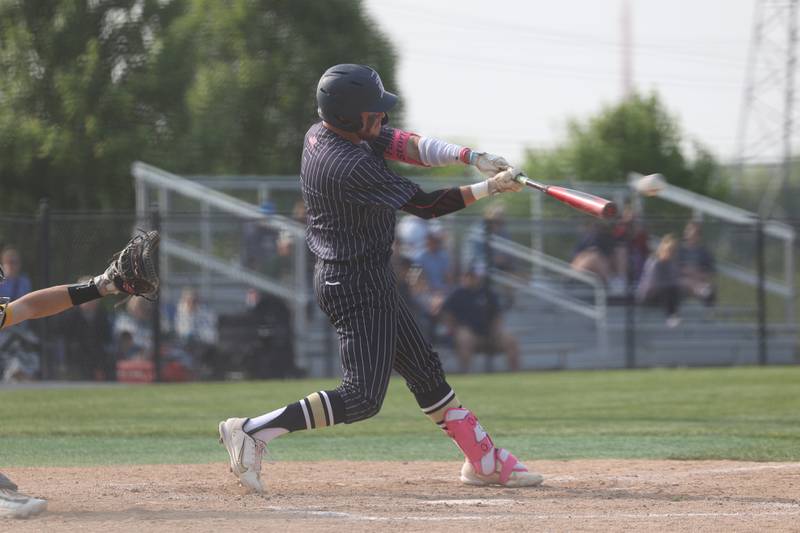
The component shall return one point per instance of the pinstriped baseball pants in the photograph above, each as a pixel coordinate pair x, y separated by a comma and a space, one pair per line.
377, 334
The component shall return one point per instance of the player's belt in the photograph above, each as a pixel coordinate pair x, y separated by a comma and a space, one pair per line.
358, 262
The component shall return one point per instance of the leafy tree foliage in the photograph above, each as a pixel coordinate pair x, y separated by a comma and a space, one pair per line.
202, 86
637, 135
68, 126
233, 83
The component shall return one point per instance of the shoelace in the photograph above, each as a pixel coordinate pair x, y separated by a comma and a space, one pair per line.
260, 447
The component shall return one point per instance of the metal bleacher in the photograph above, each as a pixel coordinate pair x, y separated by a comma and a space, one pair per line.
562, 318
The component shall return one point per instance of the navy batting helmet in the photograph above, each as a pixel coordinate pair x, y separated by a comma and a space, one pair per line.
345, 91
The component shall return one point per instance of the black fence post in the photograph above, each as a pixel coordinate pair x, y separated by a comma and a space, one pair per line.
761, 295
155, 223
46, 361
491, 308
630, 303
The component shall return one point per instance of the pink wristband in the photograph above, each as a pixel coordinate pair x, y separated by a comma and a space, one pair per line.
464, 156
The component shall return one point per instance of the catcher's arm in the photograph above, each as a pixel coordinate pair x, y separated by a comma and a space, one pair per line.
132, 271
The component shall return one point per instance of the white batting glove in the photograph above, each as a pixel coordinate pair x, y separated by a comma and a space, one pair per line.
504, 182
488, 164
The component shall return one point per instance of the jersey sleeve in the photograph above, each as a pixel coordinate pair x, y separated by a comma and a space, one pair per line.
371, 182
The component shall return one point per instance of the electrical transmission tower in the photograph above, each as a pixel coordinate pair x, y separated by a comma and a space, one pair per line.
767, 126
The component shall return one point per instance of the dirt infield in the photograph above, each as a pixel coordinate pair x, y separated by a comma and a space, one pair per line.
361, 496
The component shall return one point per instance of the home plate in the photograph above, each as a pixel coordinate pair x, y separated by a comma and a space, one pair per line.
471, 502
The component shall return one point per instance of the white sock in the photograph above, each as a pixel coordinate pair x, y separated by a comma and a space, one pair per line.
267, 434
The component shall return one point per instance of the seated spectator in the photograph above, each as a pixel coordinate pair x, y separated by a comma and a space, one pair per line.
299, 213
136, 321
660, 282
194, 322
86, 333
16, 283
196, 331
259, 240
280, 265
476, 250
411, 232
631, 248
473, 316
133, 336
594, 252
435, 261
260, 340
696, 265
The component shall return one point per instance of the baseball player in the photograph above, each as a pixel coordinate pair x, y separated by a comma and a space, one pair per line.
351, 197
131, 271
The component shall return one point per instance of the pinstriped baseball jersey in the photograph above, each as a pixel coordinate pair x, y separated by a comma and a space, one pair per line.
351, 196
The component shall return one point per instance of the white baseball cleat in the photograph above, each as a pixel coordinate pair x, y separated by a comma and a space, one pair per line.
17, 505
509, 472
245, 453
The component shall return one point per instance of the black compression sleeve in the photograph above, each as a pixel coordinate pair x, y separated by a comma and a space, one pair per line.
435, 204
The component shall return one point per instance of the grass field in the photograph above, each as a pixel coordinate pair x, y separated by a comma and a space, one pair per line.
733, 413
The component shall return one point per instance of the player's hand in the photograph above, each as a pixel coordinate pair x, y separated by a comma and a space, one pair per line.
504, 182
488, 164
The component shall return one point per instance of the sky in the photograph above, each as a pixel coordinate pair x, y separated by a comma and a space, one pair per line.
501, 75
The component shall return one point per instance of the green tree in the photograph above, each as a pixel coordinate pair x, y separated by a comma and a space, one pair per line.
233, 83
636, 135
68, 125
200, 86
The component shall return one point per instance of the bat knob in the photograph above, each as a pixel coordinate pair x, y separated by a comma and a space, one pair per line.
610, 210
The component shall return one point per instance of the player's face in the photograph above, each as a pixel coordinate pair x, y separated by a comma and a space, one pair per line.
371, 125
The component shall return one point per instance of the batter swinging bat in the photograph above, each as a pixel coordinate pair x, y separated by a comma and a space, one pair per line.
588, 203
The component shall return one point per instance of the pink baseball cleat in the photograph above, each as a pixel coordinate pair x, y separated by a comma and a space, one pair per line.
485, 464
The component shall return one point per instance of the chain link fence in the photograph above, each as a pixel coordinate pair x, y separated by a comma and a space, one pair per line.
221, 316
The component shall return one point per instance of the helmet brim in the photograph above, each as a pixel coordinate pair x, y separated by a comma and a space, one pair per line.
387, 102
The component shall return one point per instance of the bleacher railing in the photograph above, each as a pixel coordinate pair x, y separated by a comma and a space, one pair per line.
539, 288
162, 186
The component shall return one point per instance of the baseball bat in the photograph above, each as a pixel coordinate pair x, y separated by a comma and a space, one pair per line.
582, 201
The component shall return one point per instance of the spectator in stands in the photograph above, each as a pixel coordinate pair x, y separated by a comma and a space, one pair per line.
594, 252
660, 282
273, 320
473, 317
195, 323
86, 333
259, 240
136, 320
299, 214
127, 348
631, 248
403, 269
16, 284
435, 260
196, 331
281, 264
133, 336
410, 236
476, 250
696, 265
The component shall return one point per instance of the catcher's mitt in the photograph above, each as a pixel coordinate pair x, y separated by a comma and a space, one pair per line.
133, 269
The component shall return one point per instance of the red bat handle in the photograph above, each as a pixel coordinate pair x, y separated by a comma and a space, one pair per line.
588, 203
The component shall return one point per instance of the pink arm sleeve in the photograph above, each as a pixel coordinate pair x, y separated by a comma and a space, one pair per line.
397, 148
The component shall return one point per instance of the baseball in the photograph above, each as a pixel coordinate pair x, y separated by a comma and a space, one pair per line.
650, 185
